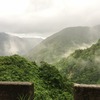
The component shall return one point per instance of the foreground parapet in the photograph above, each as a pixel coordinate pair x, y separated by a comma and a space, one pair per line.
86, 92
16, 91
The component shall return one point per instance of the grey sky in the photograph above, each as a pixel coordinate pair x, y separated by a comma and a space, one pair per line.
43, 17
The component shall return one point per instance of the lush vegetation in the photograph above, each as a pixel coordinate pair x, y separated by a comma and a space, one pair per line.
83, 66
49, 84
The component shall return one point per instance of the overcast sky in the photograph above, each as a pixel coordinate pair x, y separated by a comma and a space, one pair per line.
43, 17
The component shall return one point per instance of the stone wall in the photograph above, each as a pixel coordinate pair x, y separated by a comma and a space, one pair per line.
16, 90
86, 92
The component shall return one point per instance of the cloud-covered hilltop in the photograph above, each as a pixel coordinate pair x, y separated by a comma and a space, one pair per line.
64, 42
10, 44
82, 66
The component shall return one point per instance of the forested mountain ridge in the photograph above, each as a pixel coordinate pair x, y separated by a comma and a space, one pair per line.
10, 44
62, 43
82, 66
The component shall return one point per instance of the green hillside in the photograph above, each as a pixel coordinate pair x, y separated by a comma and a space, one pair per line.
48, 83
62, 43
83, 66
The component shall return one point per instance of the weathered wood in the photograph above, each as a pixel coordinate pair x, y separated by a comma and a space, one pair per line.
86, 92
16, 90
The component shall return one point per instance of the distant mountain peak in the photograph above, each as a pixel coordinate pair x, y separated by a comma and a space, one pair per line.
10, 44
60, 43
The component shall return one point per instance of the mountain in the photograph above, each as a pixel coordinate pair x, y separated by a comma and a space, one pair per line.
10, 44
63, 43
82, 66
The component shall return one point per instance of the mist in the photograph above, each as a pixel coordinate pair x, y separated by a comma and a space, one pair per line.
45, 17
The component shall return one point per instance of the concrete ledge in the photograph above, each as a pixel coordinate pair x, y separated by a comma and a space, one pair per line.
16, 90
86, 92
15, 83
86, 86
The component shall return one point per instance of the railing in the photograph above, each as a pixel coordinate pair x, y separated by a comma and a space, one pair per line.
86, 92
16, 91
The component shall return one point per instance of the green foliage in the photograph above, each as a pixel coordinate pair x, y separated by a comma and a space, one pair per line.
50, 75
24, 97
58, 86
48, 82
15, 68
83, 66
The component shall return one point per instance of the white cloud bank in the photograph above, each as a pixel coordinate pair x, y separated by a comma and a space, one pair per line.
47, 16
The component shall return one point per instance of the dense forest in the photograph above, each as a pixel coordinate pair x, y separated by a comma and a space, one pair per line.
48, 82
82, 66
54, 82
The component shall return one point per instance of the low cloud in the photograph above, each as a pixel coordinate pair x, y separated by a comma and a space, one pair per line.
47, 16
